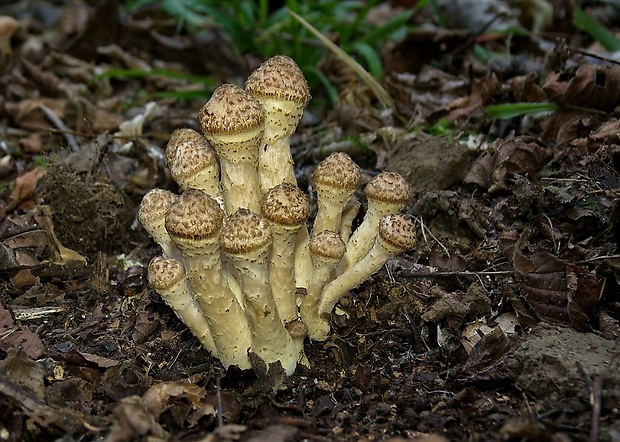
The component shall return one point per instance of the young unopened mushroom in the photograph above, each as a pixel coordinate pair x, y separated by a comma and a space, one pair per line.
387, 193
233, 122
167, 277
286, 208
335, 180
282, 89
396, 235
193, 162
194, 224
152, 215
245, 240
326, 250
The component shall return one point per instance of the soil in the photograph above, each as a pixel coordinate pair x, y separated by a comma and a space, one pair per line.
503, 323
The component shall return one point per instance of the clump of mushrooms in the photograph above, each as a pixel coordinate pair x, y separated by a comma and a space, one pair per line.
238, 264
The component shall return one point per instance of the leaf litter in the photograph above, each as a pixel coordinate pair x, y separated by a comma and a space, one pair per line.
502, 325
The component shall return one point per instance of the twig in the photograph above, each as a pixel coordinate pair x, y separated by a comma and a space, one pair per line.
596, 396
60, 125
411, 274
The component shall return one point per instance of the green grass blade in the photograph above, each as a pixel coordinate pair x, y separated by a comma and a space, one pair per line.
371, 57
364, 75
596, 30
511, 110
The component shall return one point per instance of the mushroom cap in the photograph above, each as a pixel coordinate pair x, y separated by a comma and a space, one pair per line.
397, 232
285, 204
245, 232
230, 111
388, 187
279, 78
164, 273
327, 245
337, 171
154, 206
195, 216
188, 153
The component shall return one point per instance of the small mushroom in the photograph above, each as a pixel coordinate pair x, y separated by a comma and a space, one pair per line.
335, 180
387, 193
326, 250
152, 215
349, 213
282, 89
396, 235
233, 122
245, 240
167, 277
194, 224
193, 163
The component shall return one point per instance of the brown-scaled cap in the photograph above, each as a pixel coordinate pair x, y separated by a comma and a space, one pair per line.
245, 232
192, 161
230, 111
286, 204
397, 233
327, 245
388, 187
338, 170
152, 213
279, 78
195, 216
164, 273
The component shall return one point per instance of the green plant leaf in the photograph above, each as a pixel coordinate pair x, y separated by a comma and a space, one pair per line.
595, 29
511, 110
372, 58
388, 28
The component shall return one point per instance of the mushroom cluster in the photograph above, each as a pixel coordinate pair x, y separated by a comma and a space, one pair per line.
239, 266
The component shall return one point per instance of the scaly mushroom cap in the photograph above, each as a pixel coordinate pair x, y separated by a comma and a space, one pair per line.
286, 205
282, 88
152, 215
230, 111
389, 188
337, 171
165, 273
244, 233
327, 246
193, 163
194, 220
397, 233
335, 180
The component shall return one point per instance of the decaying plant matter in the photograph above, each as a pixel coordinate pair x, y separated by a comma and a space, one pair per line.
236, 248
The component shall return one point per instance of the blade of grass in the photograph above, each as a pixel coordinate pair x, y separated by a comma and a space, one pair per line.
596, 30
364, 75
511, 110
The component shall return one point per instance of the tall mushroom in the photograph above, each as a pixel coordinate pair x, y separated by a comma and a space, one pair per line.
152, 215
194, 224
233, 122
335, 180
167, 277
387, 193
283, 90
246, 241
396, 235
193, 163
326, 250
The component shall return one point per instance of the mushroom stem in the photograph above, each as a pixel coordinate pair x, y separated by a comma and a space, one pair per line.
396, 235
335, 180
246, 241
326, 250
167, 277
194, 224
349, 213
387, 193
233, 122
152, 215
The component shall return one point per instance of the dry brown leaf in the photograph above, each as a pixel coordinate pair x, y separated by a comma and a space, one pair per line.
592, 85
481, 93
516, 155
25, 186
28, 115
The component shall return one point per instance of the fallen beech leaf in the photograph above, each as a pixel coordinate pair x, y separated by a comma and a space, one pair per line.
157, 398
25, 186
481, 93
516, 155
13, 336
